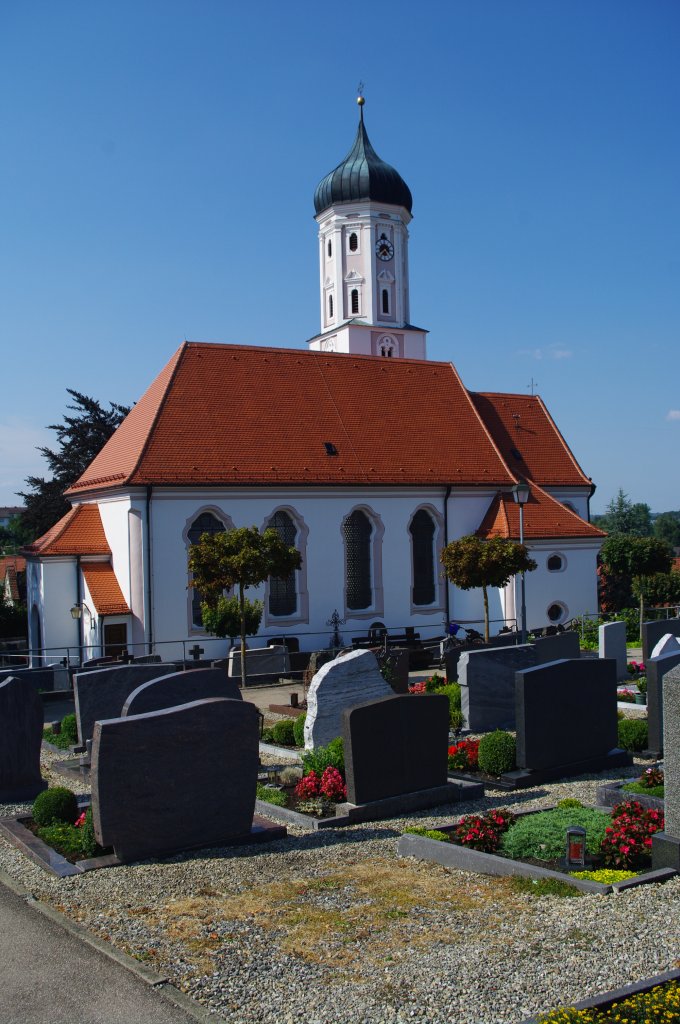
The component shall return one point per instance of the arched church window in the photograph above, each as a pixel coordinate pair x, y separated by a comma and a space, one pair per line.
330, 307
385, 301
357, 531
355, 300
422, 530
386, 347
283, 592
206, 522
353, 242
555, 563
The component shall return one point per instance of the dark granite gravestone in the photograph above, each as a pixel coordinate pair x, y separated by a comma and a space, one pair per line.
180, 688
39, 678
101, 692
21, 726
666, 844
395, 745
177, 779
399, 662
557, 647
657, 669
487, 685
565, 727
652, 633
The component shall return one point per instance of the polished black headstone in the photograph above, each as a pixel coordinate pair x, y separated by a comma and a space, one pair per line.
395, 745
173, 780
180, 688
566, 712
557, 646
21, 726
652, 633
101, 692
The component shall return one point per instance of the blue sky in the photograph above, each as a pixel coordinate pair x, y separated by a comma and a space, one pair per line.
159, 162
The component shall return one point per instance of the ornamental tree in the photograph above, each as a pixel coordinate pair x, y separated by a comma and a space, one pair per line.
472, 562
240, 558
224, 618
638, 558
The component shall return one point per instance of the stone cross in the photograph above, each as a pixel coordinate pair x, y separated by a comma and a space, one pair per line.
196, 652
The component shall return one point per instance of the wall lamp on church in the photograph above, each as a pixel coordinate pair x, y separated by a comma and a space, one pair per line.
77, 613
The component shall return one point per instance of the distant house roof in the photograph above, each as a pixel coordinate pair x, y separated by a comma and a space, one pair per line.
80, 532
10, 567
231, 414
7, 511
104, 588
544, 517
529, 440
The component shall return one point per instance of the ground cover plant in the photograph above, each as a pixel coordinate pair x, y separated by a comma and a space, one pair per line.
661, 1005
57, 820
66, 736
541, 836
651, 782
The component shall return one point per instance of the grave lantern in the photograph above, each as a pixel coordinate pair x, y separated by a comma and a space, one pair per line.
272, 776
576, 846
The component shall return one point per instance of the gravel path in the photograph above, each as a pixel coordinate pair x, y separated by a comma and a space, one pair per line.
332, 928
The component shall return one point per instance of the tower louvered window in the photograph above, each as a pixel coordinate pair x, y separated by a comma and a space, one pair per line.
330, 307
357, 531
422, 544
205, 523
283, 593
353, 242
355, 300
385, 301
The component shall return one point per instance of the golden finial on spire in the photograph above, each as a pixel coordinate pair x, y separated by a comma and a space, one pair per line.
360, 97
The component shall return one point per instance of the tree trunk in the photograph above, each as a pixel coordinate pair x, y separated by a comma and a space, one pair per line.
242, 609
486, 615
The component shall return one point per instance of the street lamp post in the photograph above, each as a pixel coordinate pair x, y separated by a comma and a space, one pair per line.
520, 493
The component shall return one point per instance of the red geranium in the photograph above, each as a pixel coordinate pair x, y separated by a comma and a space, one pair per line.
464, 755
628, 840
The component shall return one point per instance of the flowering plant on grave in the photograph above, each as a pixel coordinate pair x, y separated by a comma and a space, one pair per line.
625, 696
80, 820
464, 755
483, 831
332, 785
652, 777
628, 840
642, 684
418, 687
635, 669
308, 786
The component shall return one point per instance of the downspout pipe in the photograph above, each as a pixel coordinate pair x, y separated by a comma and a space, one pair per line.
149, 577
79, 620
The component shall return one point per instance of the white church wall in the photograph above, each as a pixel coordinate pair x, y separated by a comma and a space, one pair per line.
114, 514
574, 587
59, 593
575, 499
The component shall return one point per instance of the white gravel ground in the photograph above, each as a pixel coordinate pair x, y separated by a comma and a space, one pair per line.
332, 928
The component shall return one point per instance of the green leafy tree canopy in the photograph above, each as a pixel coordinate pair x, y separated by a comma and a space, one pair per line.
638, 559
472, 562
239, 558
667, 527
623, 516
79, 438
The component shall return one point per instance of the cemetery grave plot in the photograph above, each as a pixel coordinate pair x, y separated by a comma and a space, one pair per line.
649, 790
655, 999
616, 845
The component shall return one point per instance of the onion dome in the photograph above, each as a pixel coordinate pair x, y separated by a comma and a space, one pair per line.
362, 175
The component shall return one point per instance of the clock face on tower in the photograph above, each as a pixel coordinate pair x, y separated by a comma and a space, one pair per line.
384, 249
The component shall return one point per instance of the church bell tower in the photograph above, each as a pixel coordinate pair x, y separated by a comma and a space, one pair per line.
363, 208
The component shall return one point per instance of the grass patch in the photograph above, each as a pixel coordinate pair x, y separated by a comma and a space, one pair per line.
271, 796
638, 787
542, 887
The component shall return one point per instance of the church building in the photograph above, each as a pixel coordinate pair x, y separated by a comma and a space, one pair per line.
360, 451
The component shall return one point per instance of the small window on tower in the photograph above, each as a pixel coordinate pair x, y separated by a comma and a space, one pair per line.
385, 301
330, 307
355, 300
330, 248
353, 242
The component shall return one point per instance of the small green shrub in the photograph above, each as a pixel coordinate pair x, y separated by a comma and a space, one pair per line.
497, 752
88, 843
56, 804
429, 833
633, 734
452, 691
284, 732
299, 730
570, 801
267, 735
542, 836
434, 683
69, 728
271, 795
57, 739
456, 720
320, 758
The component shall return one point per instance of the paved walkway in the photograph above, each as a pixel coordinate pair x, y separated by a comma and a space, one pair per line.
49, 974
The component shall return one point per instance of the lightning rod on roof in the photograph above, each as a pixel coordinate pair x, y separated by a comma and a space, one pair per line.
532, 384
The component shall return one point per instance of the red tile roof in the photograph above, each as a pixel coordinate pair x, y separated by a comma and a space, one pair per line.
230, 414
522, 426
104, 588
544, 517
80, 532
10, 565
